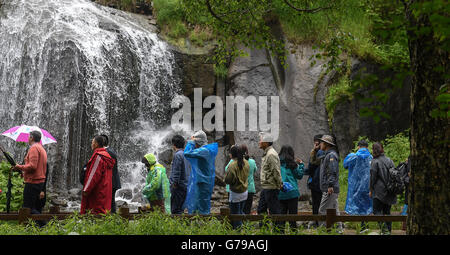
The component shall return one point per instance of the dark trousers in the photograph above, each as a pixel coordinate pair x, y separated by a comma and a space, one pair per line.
316, 197
380, 208
290, 206
248, 203
177, 197
32, 200
31, 197
268, 200
237, 208
113, 201
157, 205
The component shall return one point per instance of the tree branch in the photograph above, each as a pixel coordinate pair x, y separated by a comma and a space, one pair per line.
219, 16
208, 4
308, 10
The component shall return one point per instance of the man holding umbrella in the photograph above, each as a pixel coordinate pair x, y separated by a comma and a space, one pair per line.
34, 173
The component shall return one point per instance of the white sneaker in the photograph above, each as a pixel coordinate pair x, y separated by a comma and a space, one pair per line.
364, 231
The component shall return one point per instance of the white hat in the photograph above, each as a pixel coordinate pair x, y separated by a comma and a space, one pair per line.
200, 138
266, 137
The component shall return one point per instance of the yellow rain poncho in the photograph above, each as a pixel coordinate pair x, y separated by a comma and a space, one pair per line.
157, 186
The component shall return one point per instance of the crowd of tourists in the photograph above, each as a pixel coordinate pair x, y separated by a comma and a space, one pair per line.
191, 181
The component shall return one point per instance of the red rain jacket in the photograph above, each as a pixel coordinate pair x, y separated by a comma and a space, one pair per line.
98, 183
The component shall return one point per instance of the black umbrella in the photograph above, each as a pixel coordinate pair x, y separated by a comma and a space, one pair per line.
8, 193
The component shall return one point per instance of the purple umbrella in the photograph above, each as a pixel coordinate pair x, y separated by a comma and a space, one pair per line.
21, 134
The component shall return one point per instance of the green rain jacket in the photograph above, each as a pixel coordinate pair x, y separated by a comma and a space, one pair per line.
157, 186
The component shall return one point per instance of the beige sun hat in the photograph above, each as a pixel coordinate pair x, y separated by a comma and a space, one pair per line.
327, 139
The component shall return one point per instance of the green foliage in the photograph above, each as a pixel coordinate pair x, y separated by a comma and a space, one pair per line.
221, 71
340, 90
396, 147
153, 223
432, 24
443, 99
168, 11
234, 23
178, 29
172, 17
16, 191
200, 35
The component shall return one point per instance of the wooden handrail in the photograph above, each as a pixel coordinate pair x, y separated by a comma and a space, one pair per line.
330, 218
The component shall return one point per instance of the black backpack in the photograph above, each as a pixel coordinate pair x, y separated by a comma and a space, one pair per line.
396, 181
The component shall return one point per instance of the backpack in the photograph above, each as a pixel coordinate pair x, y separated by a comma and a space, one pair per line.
396, 179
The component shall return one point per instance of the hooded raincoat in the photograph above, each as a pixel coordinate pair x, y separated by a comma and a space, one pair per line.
201, 181
157, 186
358, 165
98, 183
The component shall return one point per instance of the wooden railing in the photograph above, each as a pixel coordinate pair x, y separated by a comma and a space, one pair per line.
24, 214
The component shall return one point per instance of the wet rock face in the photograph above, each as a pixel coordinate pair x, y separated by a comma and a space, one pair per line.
125, 194
348, 125
301, 109
197, 72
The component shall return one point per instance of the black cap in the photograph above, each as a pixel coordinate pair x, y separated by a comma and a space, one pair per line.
317, 137
363, 143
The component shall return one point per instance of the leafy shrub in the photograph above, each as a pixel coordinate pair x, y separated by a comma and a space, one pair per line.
177, 29
200, 35
153, 223
168, 11
16, 191
337, 93
396, 147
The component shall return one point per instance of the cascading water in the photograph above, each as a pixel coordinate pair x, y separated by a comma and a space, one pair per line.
78, 69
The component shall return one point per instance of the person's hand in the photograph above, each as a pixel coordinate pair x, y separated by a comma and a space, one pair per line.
316, 146
299, 161
174, 186
15, 168
370, 194
330, 190
42, 195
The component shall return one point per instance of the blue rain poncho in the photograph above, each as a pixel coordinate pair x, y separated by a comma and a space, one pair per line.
201, 181
358, 165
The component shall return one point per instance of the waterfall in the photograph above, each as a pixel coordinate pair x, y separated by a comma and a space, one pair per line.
78, 69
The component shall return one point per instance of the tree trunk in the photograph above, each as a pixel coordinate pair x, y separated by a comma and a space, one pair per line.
429, 203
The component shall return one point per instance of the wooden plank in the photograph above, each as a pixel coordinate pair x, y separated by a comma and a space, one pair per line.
330, 218
24, 214
9, 217
357, 218
279, 217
